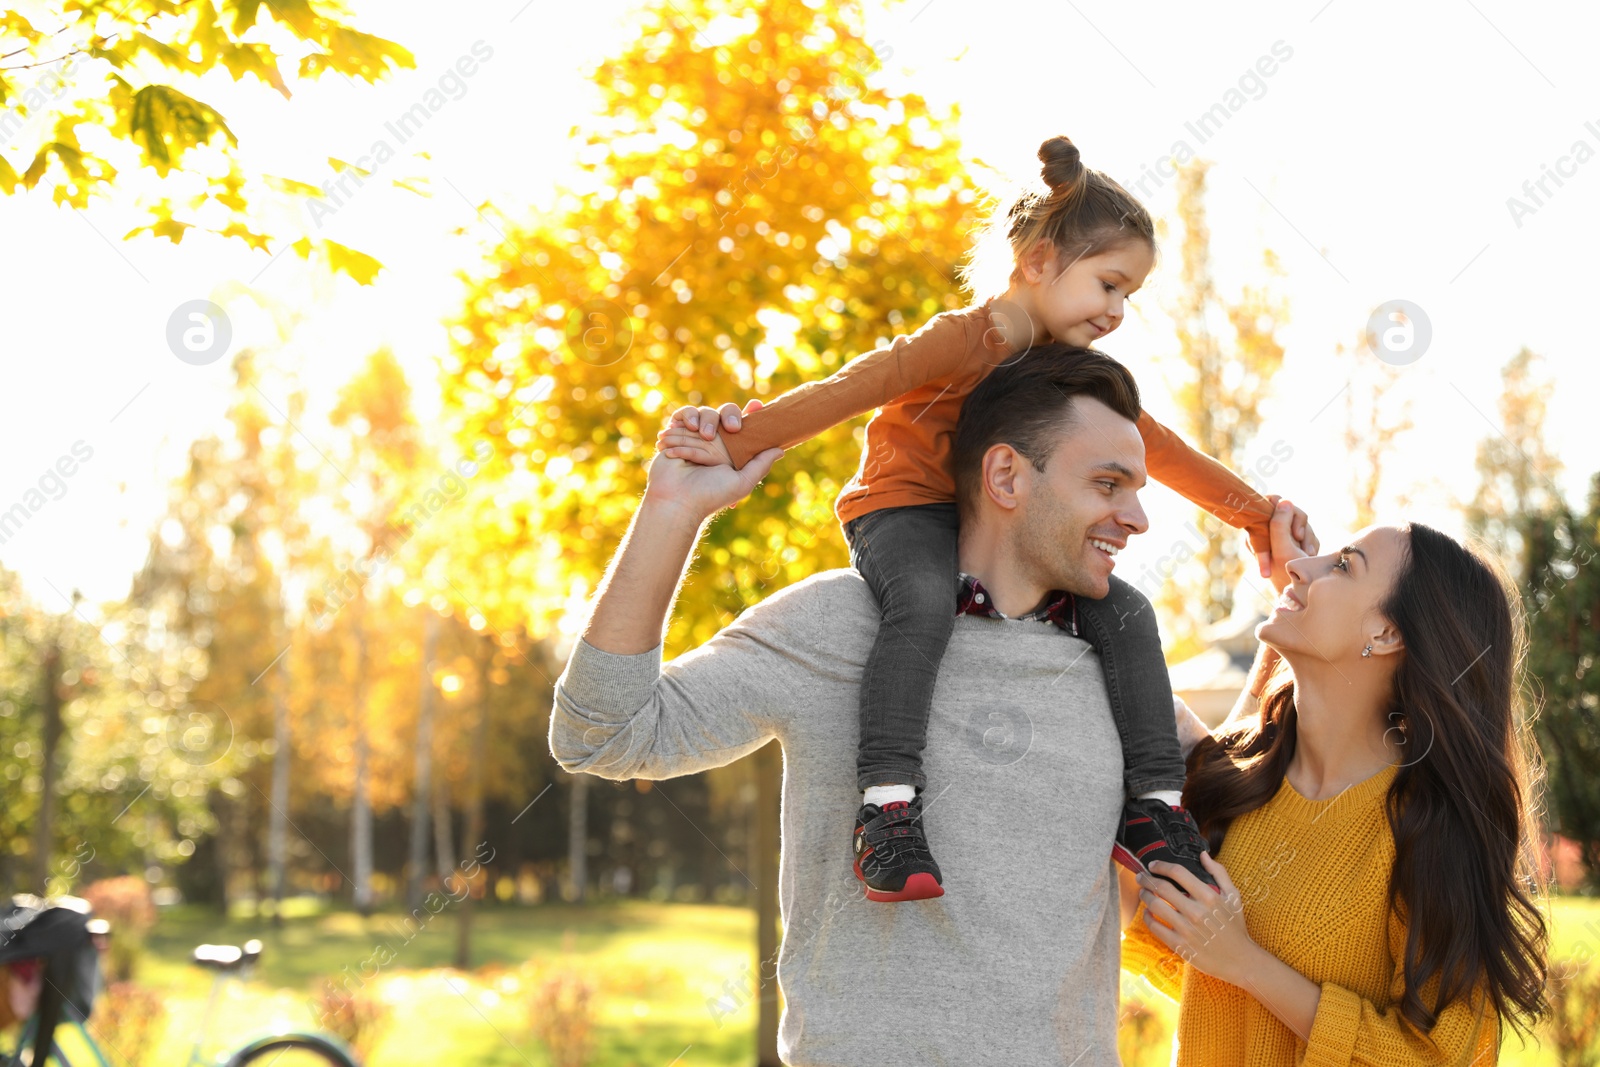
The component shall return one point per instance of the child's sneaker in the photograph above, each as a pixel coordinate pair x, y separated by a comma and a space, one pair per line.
1153, 830
892, 855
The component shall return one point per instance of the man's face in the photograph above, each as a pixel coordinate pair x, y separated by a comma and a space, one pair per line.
1086, 497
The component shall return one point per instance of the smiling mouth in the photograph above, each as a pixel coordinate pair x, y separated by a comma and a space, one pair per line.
1105, 548
1287, 603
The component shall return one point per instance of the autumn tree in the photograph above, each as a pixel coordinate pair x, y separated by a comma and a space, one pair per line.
1228, 351
1516, 469
1377, 415
1561, 593
750, 214
122, 70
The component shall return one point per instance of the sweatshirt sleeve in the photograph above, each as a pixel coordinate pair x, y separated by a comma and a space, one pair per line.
864, 384
1349, 1030
1203, 481
1145, 956
630, 716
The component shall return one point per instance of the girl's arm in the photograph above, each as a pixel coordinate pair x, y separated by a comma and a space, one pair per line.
1203, 481
867, 382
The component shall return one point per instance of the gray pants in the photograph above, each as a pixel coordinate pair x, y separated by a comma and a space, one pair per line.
908, 557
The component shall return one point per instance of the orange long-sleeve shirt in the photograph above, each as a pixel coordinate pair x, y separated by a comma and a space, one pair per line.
919, 381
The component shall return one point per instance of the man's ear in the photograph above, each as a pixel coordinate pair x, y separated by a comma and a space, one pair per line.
1001, 472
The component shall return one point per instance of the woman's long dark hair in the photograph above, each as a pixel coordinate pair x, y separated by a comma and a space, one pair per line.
1463, 805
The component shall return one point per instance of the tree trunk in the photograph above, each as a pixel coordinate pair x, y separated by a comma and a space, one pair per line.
473, 837
50, 730
417, 858
360, 805
444, 852
278, 818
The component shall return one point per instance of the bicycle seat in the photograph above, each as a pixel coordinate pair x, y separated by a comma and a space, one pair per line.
228, 957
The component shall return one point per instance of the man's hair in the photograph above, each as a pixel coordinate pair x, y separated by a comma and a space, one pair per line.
1027, 403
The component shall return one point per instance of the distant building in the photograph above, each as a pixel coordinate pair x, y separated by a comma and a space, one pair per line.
1211, 681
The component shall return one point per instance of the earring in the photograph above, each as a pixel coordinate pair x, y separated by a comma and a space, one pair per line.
1367, 652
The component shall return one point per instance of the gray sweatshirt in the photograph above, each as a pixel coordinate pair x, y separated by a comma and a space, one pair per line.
1017, 964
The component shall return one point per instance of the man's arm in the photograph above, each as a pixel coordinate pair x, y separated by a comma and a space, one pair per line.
617, 712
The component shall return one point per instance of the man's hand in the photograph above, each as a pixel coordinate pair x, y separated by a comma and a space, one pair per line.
696, 492
691, 433
1301, 534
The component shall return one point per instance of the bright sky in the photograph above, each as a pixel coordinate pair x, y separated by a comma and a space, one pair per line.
1377, 158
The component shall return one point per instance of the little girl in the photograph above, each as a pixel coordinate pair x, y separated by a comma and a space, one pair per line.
1079, 250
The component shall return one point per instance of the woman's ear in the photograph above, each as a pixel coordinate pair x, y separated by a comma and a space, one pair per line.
1386, 640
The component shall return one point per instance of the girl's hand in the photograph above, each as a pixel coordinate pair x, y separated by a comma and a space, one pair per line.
692, 433
1204, 927
683, 443
703, 420
1300, 533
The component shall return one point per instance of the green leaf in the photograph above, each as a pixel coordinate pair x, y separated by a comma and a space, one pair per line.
414, 185
356, 54
358, 265
170, 228
257, 59
255, 240
290, 186
166, 124
244, 14
340, 259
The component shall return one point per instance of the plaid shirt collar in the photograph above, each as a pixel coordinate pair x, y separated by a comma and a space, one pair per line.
1060, 607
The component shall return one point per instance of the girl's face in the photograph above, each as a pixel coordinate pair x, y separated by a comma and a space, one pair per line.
1081, 301
1331, 608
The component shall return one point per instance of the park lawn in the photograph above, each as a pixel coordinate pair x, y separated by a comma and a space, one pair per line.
655, 966
658, 969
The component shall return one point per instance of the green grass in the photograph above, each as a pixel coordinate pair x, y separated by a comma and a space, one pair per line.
656, 967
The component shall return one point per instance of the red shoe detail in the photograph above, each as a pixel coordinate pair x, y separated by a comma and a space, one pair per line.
920, 886
1127, 859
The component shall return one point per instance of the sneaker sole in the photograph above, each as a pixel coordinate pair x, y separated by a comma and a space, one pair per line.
919, 886
1133, 863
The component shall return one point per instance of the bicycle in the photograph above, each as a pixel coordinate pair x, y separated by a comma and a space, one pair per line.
65, 943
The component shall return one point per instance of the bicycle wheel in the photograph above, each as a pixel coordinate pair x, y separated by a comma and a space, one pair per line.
294, 1050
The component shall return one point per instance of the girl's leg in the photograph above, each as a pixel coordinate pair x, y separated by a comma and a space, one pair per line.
908, 557
1122, 628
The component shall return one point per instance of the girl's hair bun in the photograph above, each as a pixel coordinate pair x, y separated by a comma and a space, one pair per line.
1063, 169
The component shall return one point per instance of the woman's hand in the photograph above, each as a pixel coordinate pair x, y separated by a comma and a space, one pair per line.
1204, 927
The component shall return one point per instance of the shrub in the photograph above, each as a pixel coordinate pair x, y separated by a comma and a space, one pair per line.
127, 1019
1574, 988
354, 1016
127, 904
562, 1014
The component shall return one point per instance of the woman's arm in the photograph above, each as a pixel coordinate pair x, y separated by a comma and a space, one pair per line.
1340, 1027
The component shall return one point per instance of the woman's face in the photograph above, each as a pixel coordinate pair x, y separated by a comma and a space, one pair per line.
1330, 610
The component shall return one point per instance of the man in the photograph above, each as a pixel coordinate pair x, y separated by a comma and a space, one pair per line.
1018, 963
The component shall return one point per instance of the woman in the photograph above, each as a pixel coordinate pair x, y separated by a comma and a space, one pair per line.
1372, 824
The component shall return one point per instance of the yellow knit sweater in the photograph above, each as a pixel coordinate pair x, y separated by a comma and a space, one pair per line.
1314, 876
